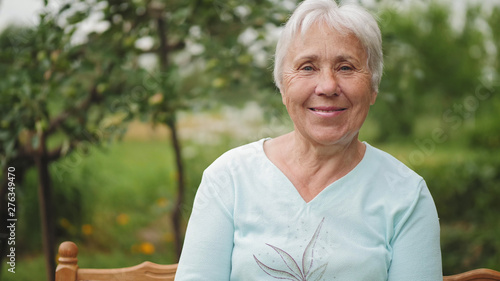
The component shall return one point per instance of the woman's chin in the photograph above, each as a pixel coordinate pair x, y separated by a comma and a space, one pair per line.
331, 139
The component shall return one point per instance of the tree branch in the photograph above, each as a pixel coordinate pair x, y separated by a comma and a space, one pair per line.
171, 47
93, 97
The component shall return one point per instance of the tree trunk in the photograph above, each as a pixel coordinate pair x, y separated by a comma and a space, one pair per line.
46, 214
177, 213
171, 123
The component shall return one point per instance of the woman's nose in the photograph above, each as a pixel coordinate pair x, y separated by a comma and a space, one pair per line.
326, 83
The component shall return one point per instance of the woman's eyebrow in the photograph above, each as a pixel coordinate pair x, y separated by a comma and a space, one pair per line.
307, 58
338, 58
346, 58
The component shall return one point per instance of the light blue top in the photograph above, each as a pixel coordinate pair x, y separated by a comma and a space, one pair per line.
378, 222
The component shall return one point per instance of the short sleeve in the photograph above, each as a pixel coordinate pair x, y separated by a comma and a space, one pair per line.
416, 252
208, 245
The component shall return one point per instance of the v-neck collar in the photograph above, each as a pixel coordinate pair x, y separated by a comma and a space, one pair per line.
323, 193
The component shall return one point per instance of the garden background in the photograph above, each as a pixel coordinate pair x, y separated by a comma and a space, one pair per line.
111, 110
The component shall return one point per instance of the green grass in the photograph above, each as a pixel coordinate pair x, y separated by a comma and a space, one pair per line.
117, 202
123, 188
28, 268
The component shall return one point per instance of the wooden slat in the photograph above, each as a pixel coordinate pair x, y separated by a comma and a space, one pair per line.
481, 274
146, 271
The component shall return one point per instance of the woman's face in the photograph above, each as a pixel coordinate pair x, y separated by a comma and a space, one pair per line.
327, 86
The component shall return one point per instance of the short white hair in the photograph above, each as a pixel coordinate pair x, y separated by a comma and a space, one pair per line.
348, 17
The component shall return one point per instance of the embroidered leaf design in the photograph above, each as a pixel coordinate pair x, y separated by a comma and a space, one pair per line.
289, 261
279, 274
295, 273
308, 257
317, 274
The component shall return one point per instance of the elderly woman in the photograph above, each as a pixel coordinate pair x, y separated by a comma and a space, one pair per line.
316, 203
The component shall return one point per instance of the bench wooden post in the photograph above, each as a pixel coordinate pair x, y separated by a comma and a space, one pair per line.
67, 262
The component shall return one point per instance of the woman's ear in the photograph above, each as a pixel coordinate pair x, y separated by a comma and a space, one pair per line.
283, 98
373, 97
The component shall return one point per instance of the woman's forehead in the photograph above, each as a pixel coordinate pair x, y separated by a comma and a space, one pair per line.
321, 39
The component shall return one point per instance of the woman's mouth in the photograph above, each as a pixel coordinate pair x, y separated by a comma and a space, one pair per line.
327, 109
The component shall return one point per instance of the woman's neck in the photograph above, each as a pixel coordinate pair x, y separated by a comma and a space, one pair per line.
332, 157
312, 167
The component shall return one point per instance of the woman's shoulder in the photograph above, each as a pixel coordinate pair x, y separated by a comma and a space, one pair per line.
393, 182
387, 161
247, 153
391, 172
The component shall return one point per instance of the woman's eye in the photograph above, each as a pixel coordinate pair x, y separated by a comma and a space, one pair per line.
345, 68
307, 68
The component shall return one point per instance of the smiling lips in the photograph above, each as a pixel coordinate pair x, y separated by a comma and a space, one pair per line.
327, 111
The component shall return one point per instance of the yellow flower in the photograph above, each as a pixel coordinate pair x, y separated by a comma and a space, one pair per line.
87, 229
147, 248
122, 219
162, 202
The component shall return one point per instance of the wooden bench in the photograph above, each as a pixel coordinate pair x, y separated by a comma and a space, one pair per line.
68, 270
481, 274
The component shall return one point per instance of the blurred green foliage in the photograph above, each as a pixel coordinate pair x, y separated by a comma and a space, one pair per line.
466, 194
435, 71
437, 111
